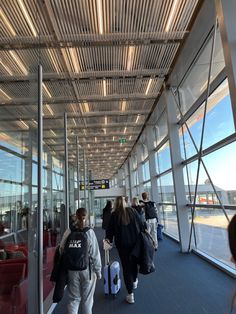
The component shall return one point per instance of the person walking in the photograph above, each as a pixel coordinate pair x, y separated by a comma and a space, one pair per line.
106, 214
151, 216
124, 227
140, 210
81, 257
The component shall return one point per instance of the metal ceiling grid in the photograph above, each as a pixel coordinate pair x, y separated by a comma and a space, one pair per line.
104, 63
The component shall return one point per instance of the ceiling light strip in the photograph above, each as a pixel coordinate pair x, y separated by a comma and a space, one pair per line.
53, 133
104, 88
28, 18
49, 109
170, 19
100, 16
6, 68
73, 119
86, 107
7, 23
123, 105
130, 57
5, 94
148, 87
24, 124
47, 91
74, 59
19, 62
53, 61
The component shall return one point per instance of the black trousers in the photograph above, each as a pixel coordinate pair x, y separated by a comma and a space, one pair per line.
130, 269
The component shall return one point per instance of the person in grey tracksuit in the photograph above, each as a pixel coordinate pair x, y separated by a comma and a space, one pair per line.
81, 283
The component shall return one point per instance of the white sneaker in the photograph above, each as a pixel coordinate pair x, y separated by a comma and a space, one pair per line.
130, 298
135, 284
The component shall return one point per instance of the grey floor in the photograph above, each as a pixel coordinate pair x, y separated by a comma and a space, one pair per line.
182, 283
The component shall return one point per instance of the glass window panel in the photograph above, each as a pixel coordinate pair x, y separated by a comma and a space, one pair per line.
196, 81
16, 141
219, 122
135, 162
166, 188
169, 220
145, 151
211, 233
12, 167
45, 177
135, 177
222, 168
161, 129
162, 157
205, 191
57, 165
34, 174
57, 181
146, 171
147, 188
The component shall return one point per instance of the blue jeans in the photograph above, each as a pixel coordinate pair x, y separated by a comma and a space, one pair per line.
80, 291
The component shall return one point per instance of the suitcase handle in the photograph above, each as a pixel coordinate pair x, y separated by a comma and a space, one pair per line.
107, 257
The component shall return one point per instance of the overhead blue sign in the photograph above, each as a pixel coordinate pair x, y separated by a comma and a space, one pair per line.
101, 184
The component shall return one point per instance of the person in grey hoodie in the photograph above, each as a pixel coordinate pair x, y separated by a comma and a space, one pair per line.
82, 283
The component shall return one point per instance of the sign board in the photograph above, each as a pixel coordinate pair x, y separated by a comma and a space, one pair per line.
97, 184
122, 140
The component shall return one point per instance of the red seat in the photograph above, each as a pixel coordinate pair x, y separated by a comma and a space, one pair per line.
19, 298
49, 258
14, 261
16, 302
11, 275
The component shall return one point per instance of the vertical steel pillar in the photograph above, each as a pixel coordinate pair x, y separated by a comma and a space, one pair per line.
84, 180
225, 11
78, 176
129, 178
178, 178
39, 250
66, 174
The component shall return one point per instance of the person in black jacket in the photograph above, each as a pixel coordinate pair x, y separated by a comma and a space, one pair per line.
151, 216
125, 226
106, 214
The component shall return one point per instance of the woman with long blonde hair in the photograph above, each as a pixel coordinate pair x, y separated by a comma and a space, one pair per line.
124, 227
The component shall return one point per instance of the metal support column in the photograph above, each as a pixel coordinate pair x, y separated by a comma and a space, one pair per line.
178, 178
39, 251
152, 163
225, 11
140, 168
78, 176
85, 200
129, 177
66, 174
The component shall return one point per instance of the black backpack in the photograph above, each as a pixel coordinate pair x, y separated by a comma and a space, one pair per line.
150, 210
75, 256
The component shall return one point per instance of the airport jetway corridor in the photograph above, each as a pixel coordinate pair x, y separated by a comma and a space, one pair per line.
182, 283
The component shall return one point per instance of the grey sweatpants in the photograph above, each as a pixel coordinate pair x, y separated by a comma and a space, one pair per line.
80, 291
152, 229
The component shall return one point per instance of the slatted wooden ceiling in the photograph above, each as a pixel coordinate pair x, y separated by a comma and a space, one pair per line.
104, 62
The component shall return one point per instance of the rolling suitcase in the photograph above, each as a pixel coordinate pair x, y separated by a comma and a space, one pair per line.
111, 274
159, 232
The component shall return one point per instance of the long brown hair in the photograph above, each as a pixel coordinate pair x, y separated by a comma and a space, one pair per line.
124, 213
